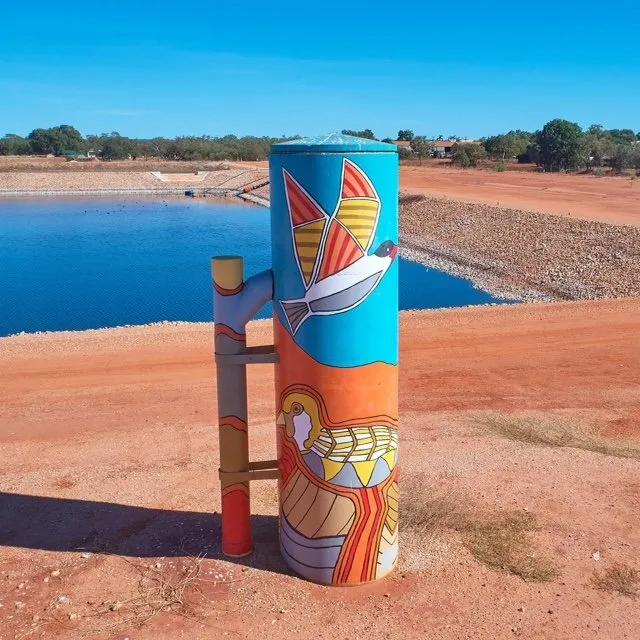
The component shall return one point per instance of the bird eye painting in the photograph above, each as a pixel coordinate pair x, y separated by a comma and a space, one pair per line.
336, 290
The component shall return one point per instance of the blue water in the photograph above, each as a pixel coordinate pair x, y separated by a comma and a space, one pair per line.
89, 263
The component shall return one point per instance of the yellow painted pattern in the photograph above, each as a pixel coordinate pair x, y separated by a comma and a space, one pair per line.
359, 216
307, 238
392, 515
356, 444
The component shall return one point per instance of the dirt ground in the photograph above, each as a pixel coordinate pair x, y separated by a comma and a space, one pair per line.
607, 199
109, 490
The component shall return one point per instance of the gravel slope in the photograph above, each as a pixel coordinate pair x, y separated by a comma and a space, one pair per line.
522, 254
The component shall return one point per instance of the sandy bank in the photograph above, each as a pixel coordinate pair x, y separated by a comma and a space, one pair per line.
110, 450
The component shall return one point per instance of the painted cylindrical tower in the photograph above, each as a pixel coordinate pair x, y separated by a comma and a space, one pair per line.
334, 226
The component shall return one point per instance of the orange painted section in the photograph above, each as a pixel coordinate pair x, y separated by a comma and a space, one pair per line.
372, 389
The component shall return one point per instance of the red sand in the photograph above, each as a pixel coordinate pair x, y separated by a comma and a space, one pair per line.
608, 199
109, 449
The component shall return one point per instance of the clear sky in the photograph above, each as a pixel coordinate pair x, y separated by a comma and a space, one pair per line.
270, 68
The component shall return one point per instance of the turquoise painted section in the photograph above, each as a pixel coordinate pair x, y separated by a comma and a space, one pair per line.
367, 332
333, 143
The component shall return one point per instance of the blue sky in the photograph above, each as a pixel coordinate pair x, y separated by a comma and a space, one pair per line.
170, 68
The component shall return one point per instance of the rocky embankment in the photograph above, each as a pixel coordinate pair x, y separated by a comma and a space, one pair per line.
521, 254
223, 181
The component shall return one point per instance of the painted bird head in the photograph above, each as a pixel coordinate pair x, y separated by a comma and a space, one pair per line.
300, 417
387, 249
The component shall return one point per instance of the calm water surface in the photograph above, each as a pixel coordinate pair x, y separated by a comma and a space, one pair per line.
82, 264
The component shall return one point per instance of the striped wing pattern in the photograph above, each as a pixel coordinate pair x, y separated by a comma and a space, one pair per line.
355, 183
307, 239
302, 207
360, 217
308, 221
340, 250
359, 205
360, 447
356, 444
350, 232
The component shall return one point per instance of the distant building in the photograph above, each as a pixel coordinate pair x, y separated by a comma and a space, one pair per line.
444, 148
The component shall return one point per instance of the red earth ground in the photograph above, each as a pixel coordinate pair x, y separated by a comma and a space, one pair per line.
109, 458
615, 200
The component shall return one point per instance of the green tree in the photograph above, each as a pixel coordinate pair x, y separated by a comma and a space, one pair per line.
421, 147
365, 133
596, 130
560, 145
466, 154
14, 145
507, 145
597, 147
56, 140
405, 135
623, 157
117, 147
623, 136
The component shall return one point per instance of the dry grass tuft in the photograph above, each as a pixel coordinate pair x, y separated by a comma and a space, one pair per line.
159, 592
502, 542
557, 433
425, 508
425, 513
619, 578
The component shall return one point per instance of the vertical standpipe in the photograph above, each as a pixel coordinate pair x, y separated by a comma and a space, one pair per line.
235, 302
228, 279
334, 226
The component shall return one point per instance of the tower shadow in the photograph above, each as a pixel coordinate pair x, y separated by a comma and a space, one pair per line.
61, 524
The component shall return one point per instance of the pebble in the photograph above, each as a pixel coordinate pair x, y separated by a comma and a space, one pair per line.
55, 573
62, 599
581, 259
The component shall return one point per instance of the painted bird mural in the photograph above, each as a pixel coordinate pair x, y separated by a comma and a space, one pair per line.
332, 251
353, 456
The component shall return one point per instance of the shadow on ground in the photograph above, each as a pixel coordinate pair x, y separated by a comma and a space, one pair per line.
58, 524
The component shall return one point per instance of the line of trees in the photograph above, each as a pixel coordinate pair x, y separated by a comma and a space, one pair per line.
560, 145
66, 140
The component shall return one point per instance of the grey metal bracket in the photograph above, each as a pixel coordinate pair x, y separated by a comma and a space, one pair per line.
263, 354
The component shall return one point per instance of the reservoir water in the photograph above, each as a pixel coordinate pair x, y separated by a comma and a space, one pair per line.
100, 262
